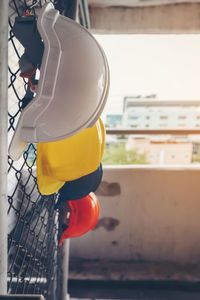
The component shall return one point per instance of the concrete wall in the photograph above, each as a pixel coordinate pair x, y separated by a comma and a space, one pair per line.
148, 214
171, 18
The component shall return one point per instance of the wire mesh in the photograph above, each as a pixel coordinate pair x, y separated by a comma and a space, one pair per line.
33, 264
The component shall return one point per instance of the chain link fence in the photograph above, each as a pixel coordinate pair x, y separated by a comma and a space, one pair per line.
33, 255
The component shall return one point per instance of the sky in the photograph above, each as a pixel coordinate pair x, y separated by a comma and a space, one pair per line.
165, 65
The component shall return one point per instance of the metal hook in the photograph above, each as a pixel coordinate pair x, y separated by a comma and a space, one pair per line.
30, 7
34, 4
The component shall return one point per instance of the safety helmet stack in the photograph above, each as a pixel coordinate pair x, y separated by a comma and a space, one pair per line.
64, 116
73, 84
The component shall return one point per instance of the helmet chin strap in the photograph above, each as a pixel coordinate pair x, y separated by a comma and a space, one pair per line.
29, 76
25, 30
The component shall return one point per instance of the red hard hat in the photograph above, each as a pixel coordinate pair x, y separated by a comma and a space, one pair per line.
83, 216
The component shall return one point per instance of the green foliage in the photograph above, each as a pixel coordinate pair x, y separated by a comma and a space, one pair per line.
196, 157
121, 137
118, 155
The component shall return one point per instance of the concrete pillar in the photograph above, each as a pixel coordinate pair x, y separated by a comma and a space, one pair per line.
3, 142
65, 269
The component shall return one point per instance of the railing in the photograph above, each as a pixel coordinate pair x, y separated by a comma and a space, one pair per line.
153, 131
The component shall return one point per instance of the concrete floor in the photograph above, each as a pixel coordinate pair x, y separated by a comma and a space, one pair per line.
88, 290
152, 296
176, 296
94, 280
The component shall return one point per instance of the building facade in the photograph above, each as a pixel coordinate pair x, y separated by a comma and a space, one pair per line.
162, 152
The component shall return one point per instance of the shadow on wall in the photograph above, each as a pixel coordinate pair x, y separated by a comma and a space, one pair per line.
108, 189
108, 224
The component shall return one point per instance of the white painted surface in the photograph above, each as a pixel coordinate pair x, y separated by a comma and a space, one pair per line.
158, 210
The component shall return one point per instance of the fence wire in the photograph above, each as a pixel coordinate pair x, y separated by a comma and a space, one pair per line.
33, 264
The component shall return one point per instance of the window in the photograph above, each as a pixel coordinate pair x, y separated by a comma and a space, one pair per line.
181, 125
163, 125
133, 117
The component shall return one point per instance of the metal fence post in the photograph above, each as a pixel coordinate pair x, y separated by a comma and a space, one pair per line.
65, 268
3, 142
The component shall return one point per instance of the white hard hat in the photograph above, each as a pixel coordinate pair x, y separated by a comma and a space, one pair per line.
73, 85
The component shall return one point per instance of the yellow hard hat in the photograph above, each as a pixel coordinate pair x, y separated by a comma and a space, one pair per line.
46, 185
72, 158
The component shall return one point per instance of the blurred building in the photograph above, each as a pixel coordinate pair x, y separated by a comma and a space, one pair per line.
162, 152
149, 113
157, 114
